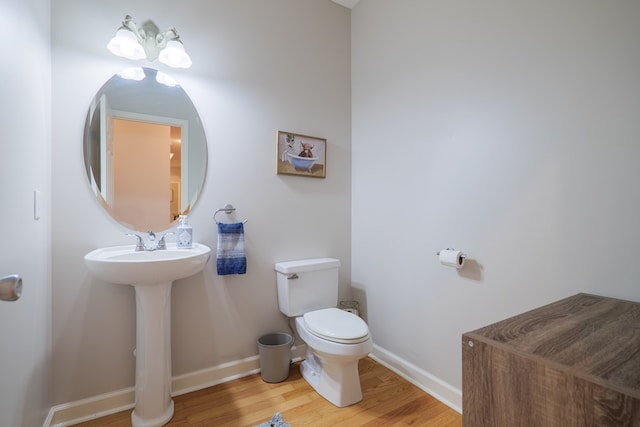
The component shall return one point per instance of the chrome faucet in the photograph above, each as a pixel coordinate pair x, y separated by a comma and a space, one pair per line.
161, 243
142, 246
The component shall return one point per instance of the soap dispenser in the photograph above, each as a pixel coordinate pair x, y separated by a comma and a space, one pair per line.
184, 233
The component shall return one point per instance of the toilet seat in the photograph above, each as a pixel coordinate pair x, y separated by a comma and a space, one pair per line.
336, 325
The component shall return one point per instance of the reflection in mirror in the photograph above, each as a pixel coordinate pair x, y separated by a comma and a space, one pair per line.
145, 151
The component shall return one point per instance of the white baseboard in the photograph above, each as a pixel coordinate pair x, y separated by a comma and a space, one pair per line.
441, 390
67, 414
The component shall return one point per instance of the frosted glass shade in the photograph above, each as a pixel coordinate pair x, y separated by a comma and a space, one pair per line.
126, 44
174, 55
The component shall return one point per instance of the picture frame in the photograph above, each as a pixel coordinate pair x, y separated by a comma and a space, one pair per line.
301, 155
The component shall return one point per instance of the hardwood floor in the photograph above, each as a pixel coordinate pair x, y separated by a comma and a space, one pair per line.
389, 400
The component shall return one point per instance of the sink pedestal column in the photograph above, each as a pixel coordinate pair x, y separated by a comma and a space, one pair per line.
154, 406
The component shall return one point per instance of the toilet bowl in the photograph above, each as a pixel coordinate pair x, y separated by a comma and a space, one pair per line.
336, 339
331, 363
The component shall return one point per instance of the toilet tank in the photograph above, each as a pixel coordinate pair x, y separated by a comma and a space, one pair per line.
306, 285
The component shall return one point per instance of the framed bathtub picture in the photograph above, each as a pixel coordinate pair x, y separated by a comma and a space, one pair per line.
301, 155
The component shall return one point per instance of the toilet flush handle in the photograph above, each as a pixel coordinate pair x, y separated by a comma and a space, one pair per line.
293, 276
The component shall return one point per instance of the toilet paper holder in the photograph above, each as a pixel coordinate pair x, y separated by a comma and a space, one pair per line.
463, 256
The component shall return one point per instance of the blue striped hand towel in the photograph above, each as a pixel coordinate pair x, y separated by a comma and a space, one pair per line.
231, 258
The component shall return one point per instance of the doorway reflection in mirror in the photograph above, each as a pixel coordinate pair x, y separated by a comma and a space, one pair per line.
145, 149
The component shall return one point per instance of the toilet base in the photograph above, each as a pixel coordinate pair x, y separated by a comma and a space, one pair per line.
334, 378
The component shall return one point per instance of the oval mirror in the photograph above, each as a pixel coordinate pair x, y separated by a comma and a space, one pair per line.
145, 151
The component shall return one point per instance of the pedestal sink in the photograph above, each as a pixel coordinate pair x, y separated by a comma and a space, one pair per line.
151, 273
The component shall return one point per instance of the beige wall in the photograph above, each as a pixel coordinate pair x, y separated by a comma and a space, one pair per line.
508, 130
258, 67
25, 120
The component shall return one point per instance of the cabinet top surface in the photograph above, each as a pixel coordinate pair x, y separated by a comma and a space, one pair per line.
589, 334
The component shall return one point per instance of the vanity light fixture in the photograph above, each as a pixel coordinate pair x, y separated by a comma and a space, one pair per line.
147, 41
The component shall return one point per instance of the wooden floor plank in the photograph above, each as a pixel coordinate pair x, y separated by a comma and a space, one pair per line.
389, 400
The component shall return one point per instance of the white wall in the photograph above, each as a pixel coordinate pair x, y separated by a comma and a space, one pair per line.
505, 129
25, 121
258, 67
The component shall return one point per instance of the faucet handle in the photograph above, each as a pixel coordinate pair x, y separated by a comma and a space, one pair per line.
161, 243
140, 242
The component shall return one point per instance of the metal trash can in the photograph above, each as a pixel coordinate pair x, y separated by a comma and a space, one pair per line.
275, 356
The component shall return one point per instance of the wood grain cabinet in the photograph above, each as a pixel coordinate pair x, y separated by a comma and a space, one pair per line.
572, 363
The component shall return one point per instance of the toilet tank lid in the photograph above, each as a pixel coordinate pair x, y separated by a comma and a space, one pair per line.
310, 264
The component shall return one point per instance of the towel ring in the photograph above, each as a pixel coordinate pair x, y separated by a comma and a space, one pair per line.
228, 209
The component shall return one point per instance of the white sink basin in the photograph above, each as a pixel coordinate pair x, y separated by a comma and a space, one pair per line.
123, 265
151, 273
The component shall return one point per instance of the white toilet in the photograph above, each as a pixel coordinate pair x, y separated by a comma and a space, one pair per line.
336, 339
